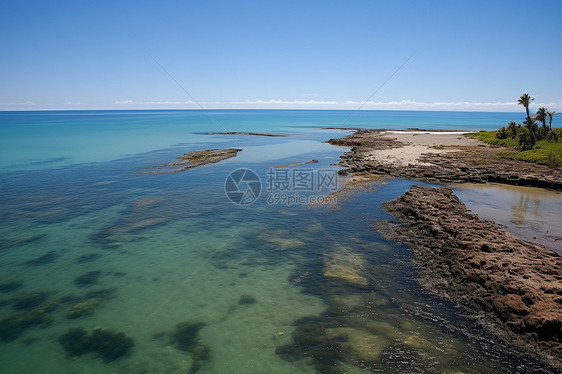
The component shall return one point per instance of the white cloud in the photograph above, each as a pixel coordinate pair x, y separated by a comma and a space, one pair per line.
497, 106
24, 103
131, 102
389, 105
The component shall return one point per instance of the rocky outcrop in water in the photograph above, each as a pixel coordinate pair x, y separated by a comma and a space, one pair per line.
195, 159
513, 286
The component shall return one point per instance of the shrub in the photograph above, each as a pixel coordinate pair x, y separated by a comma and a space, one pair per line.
525, 138
502, 133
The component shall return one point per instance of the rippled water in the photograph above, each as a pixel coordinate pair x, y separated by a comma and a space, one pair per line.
199, 284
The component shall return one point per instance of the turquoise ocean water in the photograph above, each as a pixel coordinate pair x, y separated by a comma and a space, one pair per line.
104, 268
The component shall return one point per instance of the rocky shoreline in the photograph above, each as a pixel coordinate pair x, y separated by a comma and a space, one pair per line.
512, 286
458, 163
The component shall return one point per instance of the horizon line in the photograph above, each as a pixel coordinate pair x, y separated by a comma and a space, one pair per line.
294, 109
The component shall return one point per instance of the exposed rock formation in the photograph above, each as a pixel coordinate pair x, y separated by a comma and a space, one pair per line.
514, 286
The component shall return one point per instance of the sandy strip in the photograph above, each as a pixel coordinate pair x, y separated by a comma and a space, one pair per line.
418, 144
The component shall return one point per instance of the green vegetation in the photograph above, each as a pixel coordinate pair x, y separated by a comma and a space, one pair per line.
531, 142
544, 152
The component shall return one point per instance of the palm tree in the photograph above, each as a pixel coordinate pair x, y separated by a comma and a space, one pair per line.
525, 100
550, 115
541, 115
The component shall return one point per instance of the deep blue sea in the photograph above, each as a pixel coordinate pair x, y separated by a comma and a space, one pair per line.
107, 268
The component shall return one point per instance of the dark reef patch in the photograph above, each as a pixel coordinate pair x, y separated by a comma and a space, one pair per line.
88, 279
28, 300
246, 299
47, 258
107, 344
10, 286
7, 243
88, 258
31, 310
186, 338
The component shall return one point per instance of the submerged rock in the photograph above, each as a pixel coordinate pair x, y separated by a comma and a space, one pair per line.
361, 344
83, 308
346, 266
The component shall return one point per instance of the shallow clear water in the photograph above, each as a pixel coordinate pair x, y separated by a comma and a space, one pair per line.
88, 242
531, 213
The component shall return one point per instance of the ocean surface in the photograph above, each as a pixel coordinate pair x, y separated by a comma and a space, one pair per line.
107, 268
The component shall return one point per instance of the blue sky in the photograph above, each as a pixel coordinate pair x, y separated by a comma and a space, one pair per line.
465, 55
